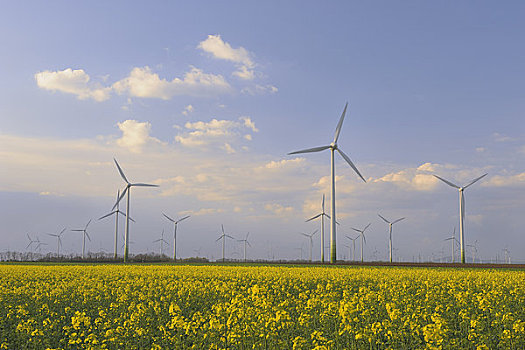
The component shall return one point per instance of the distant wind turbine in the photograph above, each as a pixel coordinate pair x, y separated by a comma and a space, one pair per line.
128, 190
59, 241
322, 214
390, 232
31, 241
245, 240
310, 236
84, 234
474, 250
116, 211
333, 147
363, 239
223, 236
353, 244
461, 210
175, 222
454, 241
162, 242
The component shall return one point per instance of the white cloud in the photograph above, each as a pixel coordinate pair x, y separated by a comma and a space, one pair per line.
134, 135
285, 163
244, 73
74, 82
222, 50
188, 109
202, 211
142, 82
413, 178
215, 132
501, 138
505, 181
279, 209
259, 89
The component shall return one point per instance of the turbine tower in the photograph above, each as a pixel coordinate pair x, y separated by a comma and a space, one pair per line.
363, 238
162, 242
175, 222
311, 235
461, 210
245, 240
128, 190
390, 224
59, 241
84, 234
333, 147
321, 215
116, 211
454, 241
223, 237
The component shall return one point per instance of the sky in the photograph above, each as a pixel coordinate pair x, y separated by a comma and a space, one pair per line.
206, 99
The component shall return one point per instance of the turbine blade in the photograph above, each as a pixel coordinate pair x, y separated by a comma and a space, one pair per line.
85, 228
383, 218
398, 220
120, 171
167, 217
323, 202
311, 150
355, 229
367, 226
313, 233
29, 244
447, 182
184, 218
248, 244
230, 236
364, 237
105, 216
120, 198
328, 216
218, 238
246, 238
222, 227
144, 185
315, 217
474, 181
304, 234
63, 230
340, 124
78, 230
157, 240
350, 163
87, 234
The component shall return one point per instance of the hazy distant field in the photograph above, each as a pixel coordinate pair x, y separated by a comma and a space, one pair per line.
240, 307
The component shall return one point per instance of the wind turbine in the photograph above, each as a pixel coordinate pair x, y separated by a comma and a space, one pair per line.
353, 244
175, 222
474, 250
31, 241
116, 211
461, 210
390, 232
321, 215
39, 245
333, 147
128, 190
84, 234
162, 242
245, 240
454, 241
311, 235
59, 241
363, 239
223, 237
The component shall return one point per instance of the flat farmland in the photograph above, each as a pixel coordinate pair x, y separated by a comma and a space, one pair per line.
259, 307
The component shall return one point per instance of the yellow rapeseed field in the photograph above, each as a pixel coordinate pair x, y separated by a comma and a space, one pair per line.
259, 307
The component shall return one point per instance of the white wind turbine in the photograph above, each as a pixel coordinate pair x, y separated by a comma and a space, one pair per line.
175, 222
245, 240
223, 237
321, 215
474, 249
353, 244
363, 239
454, 241
461, 210
117, 212
128, 190
310, 236
59, 241
84, 234
390, 232
333, 147
162, 242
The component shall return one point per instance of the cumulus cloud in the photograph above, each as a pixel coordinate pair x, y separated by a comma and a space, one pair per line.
223, 50
279, 209
70, 81
505, 181
135, 135
142, 82
188, 109
416, 179
216, 132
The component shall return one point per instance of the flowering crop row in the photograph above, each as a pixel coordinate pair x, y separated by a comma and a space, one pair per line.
259, 307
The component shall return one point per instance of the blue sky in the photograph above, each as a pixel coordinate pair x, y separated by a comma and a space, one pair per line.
206, 99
